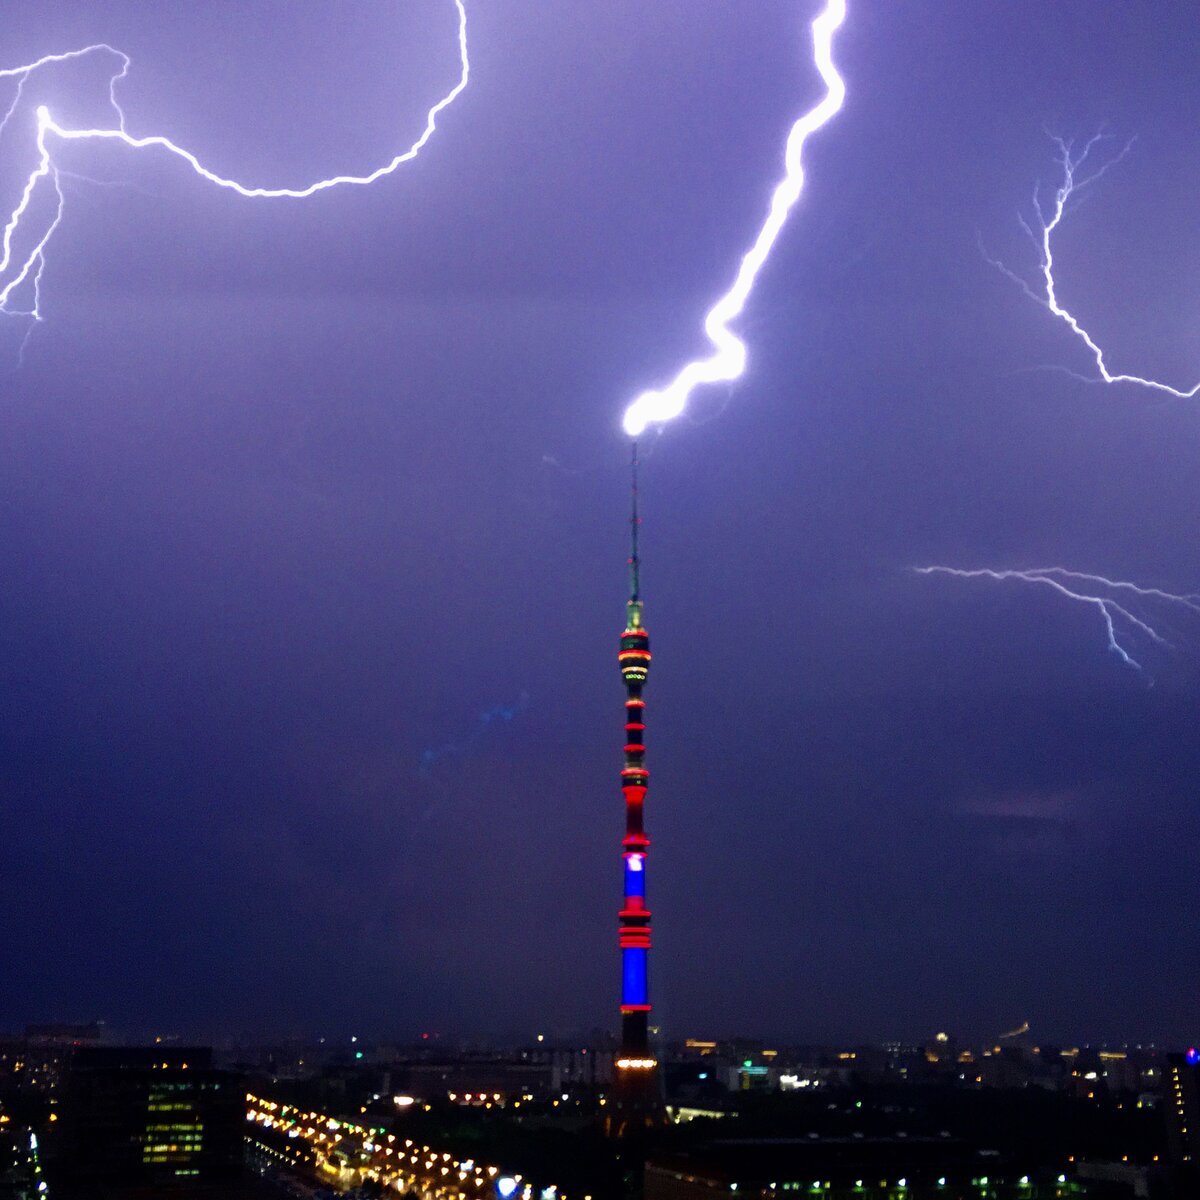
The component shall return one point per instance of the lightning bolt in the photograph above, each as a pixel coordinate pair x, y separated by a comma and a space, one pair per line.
18, 267
1092, 590
728, 359
1076, 176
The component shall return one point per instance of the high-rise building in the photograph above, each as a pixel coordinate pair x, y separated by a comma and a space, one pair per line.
1181, 1103
146, 1116
636, 1096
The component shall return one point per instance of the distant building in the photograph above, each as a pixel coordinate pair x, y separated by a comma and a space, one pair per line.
94, 1033
749, 1076
502, 1078
151, 1117
941, 1054
571, 1068
1181, 1105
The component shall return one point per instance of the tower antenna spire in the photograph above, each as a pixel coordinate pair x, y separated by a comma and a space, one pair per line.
634, 522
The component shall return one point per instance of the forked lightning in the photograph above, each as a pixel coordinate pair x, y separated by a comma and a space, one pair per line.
1075, 177
1097, 592
29, 229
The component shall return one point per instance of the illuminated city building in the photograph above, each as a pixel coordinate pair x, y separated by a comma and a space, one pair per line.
1181, 1105
147, 1116
637, 1099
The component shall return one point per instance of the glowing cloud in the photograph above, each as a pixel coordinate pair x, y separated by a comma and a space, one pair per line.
728, 359
1092, 590
17, 267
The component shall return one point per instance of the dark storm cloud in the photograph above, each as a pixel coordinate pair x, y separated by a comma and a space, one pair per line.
290, 493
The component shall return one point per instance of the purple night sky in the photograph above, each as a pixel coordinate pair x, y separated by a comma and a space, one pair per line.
313, 526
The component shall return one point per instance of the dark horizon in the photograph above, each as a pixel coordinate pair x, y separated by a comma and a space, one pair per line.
451, 1042
315, 521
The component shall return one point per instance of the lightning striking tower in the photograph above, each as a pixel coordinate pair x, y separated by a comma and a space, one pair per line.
728, 357
636, 1099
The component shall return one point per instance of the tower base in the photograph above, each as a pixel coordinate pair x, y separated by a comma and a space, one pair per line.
635, 1102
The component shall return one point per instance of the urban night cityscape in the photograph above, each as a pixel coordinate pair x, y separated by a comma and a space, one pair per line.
403, 400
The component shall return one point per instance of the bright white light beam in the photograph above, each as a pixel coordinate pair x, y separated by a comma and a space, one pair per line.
728, 359
1092, 589
1047, 294
17, 267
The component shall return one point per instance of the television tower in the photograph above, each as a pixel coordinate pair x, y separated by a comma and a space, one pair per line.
637, 1094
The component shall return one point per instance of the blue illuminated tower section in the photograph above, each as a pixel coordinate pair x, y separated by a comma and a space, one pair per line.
637, 1086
